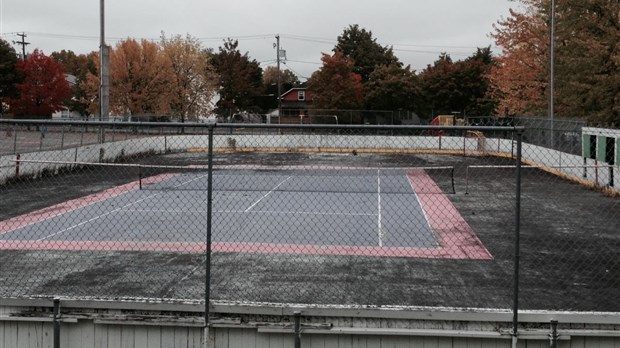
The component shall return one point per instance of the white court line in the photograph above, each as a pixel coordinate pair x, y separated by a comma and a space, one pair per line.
95, 218
267, 194
428, 221
110, 212
379, 227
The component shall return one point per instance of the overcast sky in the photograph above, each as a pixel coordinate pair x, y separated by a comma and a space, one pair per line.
417, 29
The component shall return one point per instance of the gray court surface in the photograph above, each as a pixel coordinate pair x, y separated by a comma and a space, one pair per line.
570, 242
284, 207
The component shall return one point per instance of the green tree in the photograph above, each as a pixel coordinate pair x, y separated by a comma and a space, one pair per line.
240, 79
588, 60
359, 45
8, 73
474, 80
335, 85
268, 100
461, 86
78, 66
391, 87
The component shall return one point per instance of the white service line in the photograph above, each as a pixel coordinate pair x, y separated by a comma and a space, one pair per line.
379, 227
267, 194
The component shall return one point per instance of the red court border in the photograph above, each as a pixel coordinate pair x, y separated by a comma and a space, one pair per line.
457, 240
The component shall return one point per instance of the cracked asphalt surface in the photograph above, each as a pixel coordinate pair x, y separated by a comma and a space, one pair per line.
569, 260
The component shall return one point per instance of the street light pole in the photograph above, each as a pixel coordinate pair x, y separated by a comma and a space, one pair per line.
279, 79
104, 72
551, 70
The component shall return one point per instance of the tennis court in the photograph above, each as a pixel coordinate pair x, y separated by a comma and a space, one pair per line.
372, 212
334, 219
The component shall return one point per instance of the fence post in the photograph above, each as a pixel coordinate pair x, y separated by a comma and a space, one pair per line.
553, 335
297, 315
208, 246
56, 323
515, 308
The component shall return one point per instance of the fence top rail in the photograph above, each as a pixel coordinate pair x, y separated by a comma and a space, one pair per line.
254, 125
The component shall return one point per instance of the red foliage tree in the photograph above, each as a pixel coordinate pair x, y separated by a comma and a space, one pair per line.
44, 88
335, 85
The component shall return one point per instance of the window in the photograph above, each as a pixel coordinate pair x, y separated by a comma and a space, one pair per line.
301, 95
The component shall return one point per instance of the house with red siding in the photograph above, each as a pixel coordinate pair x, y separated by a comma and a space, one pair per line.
295, 105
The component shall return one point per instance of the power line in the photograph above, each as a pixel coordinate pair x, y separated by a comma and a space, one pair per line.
296, 73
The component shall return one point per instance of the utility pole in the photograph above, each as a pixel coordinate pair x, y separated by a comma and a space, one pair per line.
22, 43
279, 79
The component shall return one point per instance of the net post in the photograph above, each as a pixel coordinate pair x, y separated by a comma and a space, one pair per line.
452, 177
208, 242
515, 309
467, 180
15, 138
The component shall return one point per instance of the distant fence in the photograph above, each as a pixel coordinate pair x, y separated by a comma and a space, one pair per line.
406, 216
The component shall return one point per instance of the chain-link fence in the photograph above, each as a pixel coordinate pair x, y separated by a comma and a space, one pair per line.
311, 214
560, 134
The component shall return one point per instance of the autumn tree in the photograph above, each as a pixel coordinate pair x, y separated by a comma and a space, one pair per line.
140, 79
335, 85
9, 76
79, 66
43, 90
391, 87
240, 79
193, 81
519, 78
358, 44
269, 98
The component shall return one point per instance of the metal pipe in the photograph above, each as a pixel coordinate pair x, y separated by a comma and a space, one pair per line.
452, 177
553, 335
260, 125
14, 138
209, 226
551, 72
56, 323
297, 329
515, 308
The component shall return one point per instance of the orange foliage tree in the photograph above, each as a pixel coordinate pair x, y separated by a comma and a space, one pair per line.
518, 80
140, 80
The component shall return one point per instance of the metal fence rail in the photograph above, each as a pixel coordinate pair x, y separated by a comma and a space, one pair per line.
451, 217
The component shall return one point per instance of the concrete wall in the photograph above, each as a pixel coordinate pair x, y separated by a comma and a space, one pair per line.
564, 163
